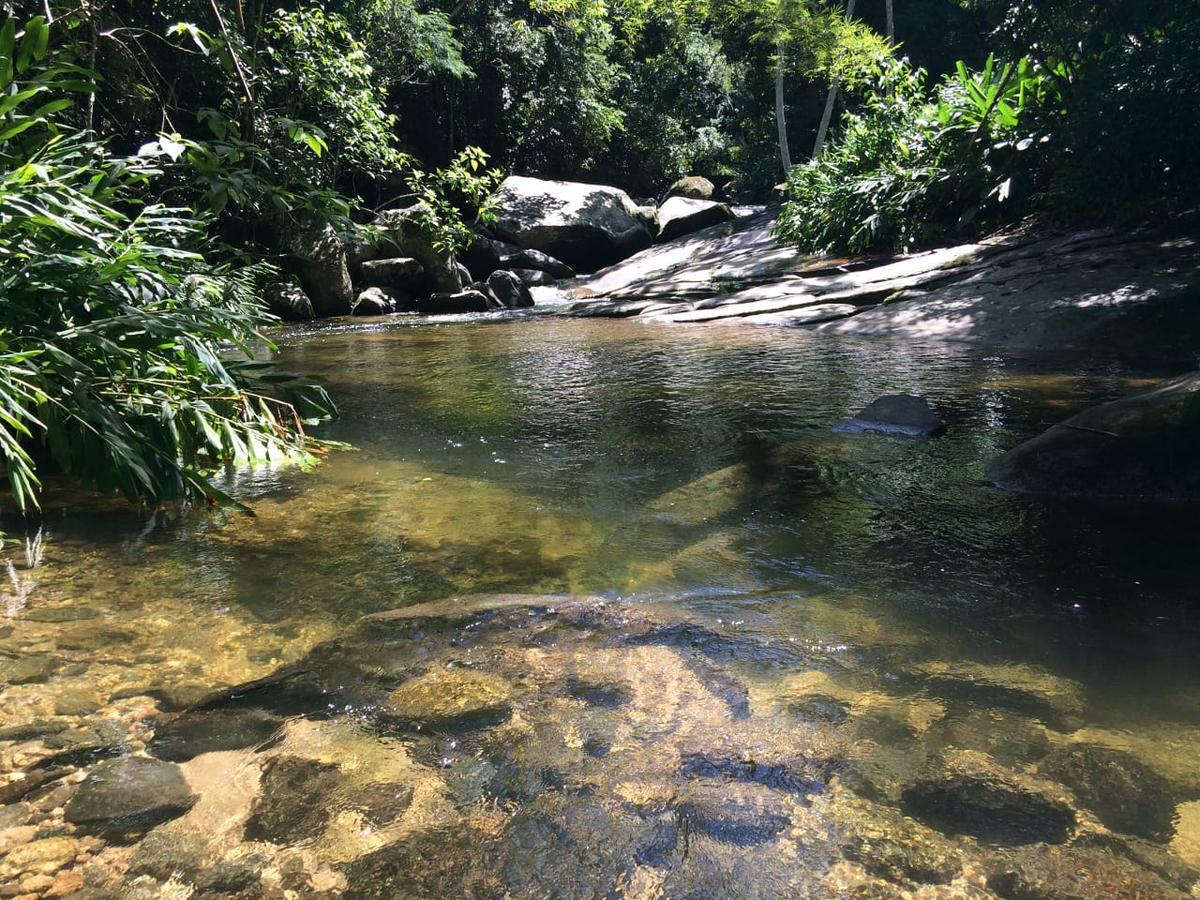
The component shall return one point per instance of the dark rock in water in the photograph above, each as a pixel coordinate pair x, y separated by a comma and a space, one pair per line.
319, 260
401, 272
508, 291
293, 803
1013, 740
33, 669
587, 226
535, 259
133, 793
680, 216
75, 702
25, 731
694, 187
203, 731
379, 301
287, 300
1074, 873
1123, 792
900, 414
975, 797
822, 709
729, 819
13, 791
1138, 447
534, 277
468, 301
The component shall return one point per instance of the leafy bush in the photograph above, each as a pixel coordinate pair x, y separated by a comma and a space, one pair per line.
913, 163
114, 331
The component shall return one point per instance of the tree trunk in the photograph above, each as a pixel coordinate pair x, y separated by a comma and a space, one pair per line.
831, 100
785, 156
891, 22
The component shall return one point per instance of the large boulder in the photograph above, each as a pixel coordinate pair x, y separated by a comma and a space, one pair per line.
318, 259
1142, 446
287, 300
587, 226
508, 291
694, 187
402, 272
404, 235
681, 215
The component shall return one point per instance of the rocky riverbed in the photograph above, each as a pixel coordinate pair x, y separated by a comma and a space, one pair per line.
513, 745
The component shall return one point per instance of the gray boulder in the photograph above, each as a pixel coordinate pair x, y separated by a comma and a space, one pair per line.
377, 301
445, 303
508, 291
900, 414
133, 793
1142, 446
403, 235
287, 300
402, 272
694, 187
318, 259
587, 226
681, 215
535, 259
482, 255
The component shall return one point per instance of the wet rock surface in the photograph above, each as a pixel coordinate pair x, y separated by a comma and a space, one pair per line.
901, 414
129, 794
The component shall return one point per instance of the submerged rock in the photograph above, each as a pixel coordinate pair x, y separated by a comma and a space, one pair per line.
1074, 873
446, 698
587, 226
901, 414
133, 793
207, 730
1138, 447
974, 796
1124, 793
680, 216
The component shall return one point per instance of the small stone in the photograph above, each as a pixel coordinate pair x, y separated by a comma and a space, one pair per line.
60, 614
75, 702
899, 414
453, 696
65, 884
35, 884
129, 794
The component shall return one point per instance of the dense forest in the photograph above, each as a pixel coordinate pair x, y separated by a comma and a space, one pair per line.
160, 159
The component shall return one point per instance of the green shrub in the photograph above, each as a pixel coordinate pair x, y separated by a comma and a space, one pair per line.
914, 164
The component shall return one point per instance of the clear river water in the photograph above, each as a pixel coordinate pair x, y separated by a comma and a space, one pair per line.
778, 660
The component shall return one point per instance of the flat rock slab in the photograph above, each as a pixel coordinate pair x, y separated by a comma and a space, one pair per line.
133, 793
900, 414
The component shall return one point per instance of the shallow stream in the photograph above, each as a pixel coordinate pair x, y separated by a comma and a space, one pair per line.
780, 661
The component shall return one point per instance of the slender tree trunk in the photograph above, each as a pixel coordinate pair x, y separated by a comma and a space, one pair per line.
831, 100
891, 22
785, 155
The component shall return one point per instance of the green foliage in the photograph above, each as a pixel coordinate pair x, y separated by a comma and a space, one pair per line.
913, 163
442, 195
114, 330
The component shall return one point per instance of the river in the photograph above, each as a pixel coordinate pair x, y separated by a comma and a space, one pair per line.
798, 662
